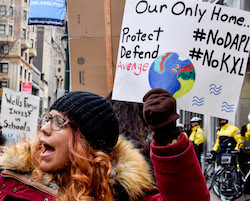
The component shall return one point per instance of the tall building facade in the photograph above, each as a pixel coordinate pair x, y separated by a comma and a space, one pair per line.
50, 61
17, 44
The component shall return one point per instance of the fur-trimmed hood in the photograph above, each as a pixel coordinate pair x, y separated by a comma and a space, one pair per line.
129, 168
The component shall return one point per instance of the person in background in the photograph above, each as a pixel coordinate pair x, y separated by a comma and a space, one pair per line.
2, 142
2, 137
197, 136
132, 124
181, 127
81, 156
226, 134
245, 130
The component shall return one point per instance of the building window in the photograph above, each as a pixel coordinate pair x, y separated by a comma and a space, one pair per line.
31, 43
2, 29
3, 84
4, 49
59, 61
10, 29
20, 86
2, 10
26, 56
25, 71
24, 34
22, 51
24, 15
21, 70
11, 12
3, 68
25, 1
29, 77
33, 28
59, 70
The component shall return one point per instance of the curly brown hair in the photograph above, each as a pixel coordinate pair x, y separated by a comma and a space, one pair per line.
86, 178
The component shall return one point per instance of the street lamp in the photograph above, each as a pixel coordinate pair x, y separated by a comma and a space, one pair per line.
65, 44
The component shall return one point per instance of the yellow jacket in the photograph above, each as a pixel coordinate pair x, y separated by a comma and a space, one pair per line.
197, 135
230, 131
185, 134
247, 134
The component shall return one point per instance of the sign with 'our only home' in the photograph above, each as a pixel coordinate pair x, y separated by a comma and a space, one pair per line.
195, 50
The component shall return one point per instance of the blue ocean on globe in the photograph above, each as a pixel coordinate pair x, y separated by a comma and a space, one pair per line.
164, 72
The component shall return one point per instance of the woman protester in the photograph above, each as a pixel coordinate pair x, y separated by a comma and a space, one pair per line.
80, 156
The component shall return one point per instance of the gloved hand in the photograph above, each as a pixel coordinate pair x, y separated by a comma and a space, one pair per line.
159, 112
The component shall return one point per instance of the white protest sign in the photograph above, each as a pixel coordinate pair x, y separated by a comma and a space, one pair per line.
196, 51
19, 115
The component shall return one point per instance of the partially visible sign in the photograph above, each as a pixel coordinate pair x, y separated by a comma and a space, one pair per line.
47, 12
27, 87
19, 115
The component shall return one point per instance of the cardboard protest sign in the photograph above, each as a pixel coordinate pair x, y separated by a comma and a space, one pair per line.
196, 51
19, 115
87, 43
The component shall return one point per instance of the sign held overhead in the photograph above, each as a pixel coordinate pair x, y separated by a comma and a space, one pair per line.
195, 50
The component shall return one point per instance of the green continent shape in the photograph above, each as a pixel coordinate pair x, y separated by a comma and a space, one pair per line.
187, 75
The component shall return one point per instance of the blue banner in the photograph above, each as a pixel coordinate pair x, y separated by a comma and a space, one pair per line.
47, 12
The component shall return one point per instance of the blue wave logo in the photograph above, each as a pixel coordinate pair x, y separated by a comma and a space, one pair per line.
215, 90
198, 101
226, 107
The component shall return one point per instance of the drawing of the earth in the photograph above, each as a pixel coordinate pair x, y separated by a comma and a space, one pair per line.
172, 72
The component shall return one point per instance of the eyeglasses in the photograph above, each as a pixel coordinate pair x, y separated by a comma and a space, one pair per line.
56, 122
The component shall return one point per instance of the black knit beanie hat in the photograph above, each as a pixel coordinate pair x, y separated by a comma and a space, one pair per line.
93, 115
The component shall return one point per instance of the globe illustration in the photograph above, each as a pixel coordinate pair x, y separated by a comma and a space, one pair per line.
172, 72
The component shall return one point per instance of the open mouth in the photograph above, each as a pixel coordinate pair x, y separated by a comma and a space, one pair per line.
47, 150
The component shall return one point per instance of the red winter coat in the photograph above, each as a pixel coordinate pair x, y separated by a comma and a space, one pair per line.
21, 187
177, 171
